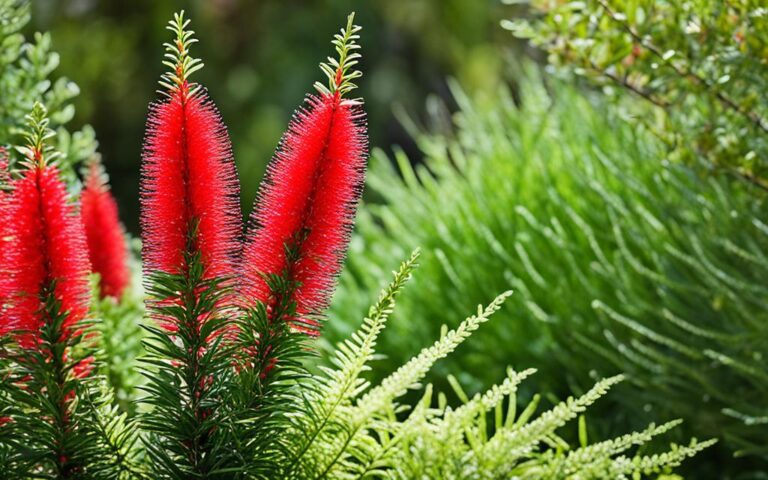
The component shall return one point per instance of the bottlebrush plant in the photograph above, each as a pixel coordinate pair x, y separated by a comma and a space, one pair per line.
48, 406
231, 327
27, 75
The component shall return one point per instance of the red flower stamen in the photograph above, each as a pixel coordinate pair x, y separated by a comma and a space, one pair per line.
308, 202
48, 248
305, 209
105, 234
189, 182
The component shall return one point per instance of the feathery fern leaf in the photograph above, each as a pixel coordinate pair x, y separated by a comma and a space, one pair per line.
355, 431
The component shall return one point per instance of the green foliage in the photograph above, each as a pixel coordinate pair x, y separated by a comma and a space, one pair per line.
622, 262
346, 45
698, 64
224, 404
338, 426
270, 372
26, 77
356, 431
187, 370
120, 339
58, 423
58, 418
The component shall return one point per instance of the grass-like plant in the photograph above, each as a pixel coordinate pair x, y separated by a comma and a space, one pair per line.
622, 262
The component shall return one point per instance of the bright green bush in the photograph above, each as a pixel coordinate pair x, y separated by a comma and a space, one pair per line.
622, 262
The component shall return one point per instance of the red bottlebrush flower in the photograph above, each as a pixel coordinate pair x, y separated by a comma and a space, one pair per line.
48, 247
309, 198
5, 223
189, 182
104, 233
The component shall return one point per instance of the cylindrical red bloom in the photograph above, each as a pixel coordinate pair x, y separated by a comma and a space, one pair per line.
47, 248
188, 181
107, 249
5, 223
307, 202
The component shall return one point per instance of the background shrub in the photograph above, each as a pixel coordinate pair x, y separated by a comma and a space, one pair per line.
621, 261
697, 67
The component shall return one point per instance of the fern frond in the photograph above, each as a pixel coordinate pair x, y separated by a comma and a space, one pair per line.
480, 404
505, 449
330, 399
598, 456
414, 370
652, 464
375, 437
354, 354
331, 450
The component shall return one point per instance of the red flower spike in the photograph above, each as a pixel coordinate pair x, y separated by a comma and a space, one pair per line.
309, 197
104, 233
5, 224
48, 247
189, 181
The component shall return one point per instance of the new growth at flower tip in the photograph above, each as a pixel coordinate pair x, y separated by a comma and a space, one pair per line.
340, 72
36, 151
182, 65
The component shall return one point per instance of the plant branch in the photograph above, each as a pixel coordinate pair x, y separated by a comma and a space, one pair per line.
753, 117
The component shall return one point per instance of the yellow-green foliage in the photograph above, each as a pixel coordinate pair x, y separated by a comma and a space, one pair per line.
353, 431
26, 77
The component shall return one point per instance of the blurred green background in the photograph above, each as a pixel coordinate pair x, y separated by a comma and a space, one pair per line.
261, 58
